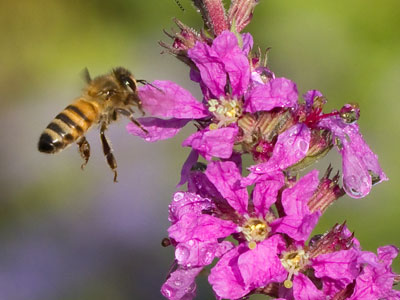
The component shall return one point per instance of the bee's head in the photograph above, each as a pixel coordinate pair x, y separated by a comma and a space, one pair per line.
125, 79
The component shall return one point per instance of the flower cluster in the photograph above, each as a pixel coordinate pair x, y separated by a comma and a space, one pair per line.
257, 228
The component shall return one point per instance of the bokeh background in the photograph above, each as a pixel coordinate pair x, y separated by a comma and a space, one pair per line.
67, 234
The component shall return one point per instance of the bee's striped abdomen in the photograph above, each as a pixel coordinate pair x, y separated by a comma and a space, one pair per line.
69, 125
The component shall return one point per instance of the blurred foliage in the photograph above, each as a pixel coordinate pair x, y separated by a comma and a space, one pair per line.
68, 234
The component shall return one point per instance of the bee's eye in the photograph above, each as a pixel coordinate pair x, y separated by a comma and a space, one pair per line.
130, 83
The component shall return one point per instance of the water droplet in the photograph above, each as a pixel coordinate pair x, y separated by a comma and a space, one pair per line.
191, 242
167, 291
303, 146
147, 139
178, 196
178, 282
206, 255
182, 253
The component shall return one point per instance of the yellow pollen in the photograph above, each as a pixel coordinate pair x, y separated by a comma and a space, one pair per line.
255, 230
288, 284
225, 111
213, 126
252, 245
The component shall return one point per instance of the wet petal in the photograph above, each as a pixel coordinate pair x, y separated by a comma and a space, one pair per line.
185, 203
358, 161
277, 92
195, 253
304, 289
213, 143
203, 228
157, 129
226, 178
291, 147
180, 284
169, 100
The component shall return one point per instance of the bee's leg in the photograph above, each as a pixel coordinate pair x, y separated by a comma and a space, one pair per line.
112, 163
129, 113
84, 150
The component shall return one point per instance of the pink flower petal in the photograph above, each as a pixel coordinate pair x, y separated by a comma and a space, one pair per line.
291, 147
310, 96
262, 265
187, 166
304, 289
169, 100
185, 203
297, 227
213, 143
225, 277
211, 68
295, 199
265, 192
235, 62
195, 253
158, 129
226, 177
180, 284
358, 161
340, 265
277, 92
201, 227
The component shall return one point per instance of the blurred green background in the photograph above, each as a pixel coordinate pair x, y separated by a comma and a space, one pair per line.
67, 234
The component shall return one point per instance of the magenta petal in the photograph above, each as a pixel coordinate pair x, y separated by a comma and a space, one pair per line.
277, 92
169, 100
304, 289
292, 146
295, 199
213, 143
340, 265
185, 203
247, 43
187, 166
386, 254
235, 62
194, 253
297, 227
200, 227
262, 265
157, 129
211, 68
310, 96
180, 284
358, 161
226, 178
225, 277
265, 192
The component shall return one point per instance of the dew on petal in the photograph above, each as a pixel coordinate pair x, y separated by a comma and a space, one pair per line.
182, 254
302, 145
178, 196
168, 291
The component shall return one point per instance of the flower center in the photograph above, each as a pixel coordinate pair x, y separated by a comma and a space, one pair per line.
225, 111
255, 230
293, 262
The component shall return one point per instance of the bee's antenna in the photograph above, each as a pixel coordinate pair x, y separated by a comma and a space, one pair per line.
145, 82
86, 75
180, 5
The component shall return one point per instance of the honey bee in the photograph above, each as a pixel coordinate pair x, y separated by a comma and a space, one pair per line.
103, 100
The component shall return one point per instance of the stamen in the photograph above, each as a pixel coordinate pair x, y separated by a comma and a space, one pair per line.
255, 230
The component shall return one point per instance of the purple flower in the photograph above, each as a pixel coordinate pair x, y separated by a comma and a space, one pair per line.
230, 88
216, 207
376, 279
